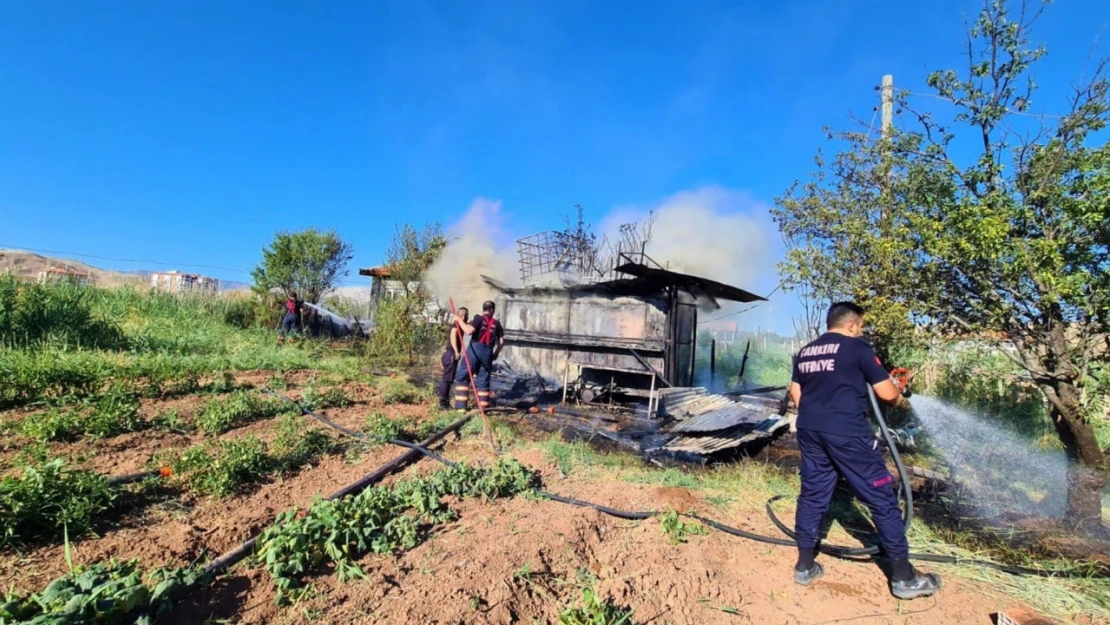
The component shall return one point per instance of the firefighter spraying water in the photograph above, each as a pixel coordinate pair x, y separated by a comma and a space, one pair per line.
833, 379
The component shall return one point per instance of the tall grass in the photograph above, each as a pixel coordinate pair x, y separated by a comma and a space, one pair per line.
982, 381
61, 340
56, 315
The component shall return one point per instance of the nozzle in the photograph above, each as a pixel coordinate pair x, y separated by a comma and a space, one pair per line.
901, 378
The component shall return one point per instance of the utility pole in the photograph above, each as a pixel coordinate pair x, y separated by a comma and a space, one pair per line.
888, 104
888, 122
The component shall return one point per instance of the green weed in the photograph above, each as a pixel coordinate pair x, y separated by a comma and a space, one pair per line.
170, 421
678, 531
377, 520
46, 498
381, 428
579, 454
53, 315
111, 413
53, 425
399, 391
314, 399
297, 445
222, 414
595, 611
219, 469
114, 412
111, 592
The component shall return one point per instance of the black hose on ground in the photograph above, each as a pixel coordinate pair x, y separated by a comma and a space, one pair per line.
229, 558
905, 492
129, 478
838, 551
355, 433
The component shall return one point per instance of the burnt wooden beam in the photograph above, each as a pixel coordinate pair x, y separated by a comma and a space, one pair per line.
650, 368
580, 340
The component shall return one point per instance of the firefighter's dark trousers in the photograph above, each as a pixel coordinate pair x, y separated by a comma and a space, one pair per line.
481, 364
860, 462
288, 324
450, 368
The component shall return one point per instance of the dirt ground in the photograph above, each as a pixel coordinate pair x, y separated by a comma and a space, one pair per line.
507, 561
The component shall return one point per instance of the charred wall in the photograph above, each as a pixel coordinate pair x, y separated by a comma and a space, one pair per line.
545, 331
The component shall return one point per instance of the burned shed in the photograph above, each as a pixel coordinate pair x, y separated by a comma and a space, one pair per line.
627, 330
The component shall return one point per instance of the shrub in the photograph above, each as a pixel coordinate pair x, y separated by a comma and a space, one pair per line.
377, 520
399, 391
48, 498
222, 414
111, 592
380, 428
313, 399
219, 469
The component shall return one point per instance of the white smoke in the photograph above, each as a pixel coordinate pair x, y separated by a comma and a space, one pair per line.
477, 245
711, 232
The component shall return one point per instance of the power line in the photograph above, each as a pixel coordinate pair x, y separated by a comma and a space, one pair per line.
951, 101
121, 260
743, 310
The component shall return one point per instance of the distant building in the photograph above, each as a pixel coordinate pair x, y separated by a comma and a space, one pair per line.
64, 274
178, 282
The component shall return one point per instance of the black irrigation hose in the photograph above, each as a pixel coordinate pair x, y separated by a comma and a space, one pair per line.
838, 551
129, 478
225, 561
355, 433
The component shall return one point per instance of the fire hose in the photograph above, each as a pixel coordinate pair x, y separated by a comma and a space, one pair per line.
838, 551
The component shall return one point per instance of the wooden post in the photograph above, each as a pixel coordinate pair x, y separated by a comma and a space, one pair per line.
566, 380
712, 359
652, 397
744, 362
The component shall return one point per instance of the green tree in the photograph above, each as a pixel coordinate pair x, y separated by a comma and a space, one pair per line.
308, 262
993, 224
405, 325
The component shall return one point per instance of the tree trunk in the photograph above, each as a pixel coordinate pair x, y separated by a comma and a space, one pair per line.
1075, 431
1087, 467
1085, 499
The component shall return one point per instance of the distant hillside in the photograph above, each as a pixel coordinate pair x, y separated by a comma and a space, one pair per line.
28, 265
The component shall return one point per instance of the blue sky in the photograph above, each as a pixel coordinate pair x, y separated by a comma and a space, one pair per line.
189, 131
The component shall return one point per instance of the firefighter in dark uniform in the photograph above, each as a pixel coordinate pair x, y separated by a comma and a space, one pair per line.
450, 360
487, 338
829, 389
291, 318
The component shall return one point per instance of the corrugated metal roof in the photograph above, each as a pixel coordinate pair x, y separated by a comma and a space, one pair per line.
723, 418
709, 423
726, 439
699, 411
